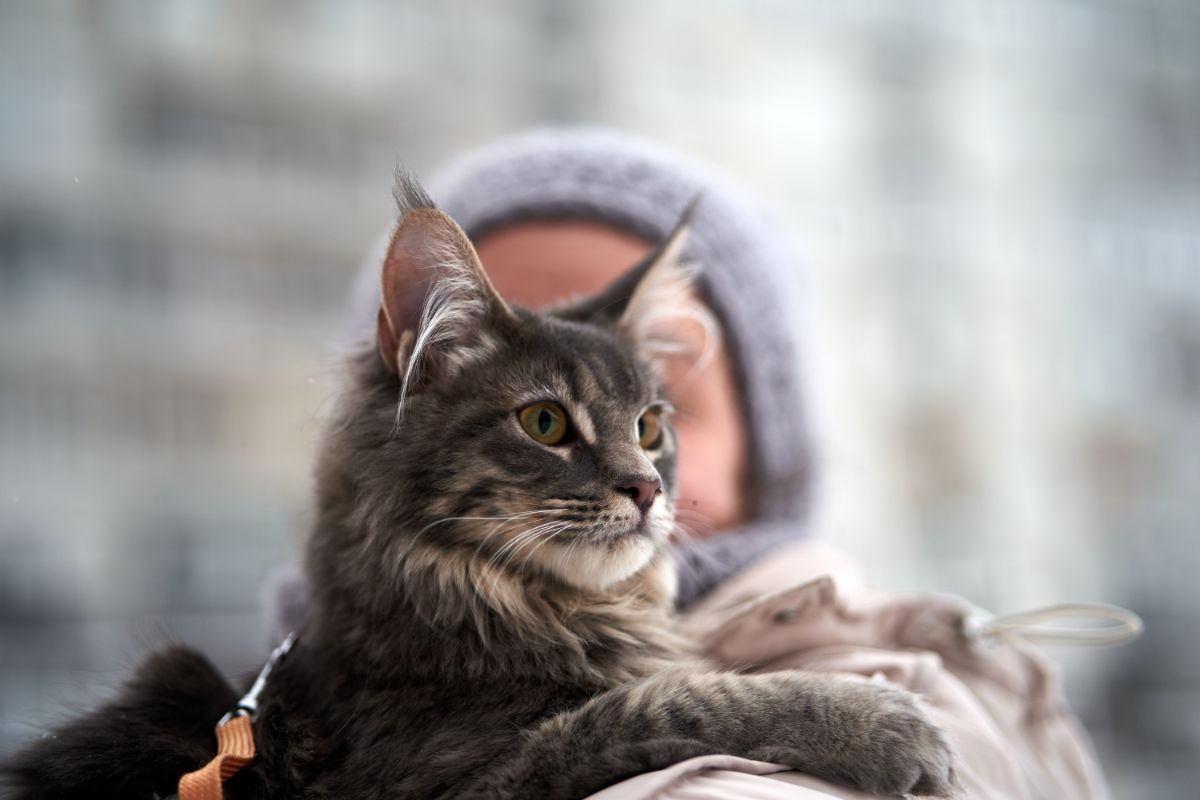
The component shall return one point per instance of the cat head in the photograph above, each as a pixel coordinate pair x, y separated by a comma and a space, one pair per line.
501, 441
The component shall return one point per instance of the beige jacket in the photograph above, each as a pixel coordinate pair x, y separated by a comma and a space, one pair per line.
804, 609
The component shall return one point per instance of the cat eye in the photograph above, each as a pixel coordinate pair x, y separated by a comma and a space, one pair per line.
649, 429
545, 422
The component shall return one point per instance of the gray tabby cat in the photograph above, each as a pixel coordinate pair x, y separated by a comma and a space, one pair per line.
491, 590
489, 572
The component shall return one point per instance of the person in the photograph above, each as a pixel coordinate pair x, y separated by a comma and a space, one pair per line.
559, 213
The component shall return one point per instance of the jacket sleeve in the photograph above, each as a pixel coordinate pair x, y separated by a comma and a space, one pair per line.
999, 702
721, 777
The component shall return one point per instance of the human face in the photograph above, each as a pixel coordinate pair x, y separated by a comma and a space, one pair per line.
539, 264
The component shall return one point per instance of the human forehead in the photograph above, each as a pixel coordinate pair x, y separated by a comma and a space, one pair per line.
538, 264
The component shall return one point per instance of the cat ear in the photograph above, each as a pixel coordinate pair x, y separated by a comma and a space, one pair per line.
655, 304
436, 303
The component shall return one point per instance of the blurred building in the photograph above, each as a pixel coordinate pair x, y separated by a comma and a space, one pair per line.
997, 207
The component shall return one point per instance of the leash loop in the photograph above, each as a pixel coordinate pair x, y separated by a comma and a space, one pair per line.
1123, 625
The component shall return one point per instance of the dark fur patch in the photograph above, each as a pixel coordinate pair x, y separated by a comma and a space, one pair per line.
159, 726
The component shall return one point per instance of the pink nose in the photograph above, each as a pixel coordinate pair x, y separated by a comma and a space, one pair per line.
641, 490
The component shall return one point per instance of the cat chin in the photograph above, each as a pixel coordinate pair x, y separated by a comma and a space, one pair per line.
600, 565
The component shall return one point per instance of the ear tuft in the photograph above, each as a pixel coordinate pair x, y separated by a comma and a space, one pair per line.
436, 303
408, 193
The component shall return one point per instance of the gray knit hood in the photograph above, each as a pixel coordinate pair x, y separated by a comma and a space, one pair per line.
748, 276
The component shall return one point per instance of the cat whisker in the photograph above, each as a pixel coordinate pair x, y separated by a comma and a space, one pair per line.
687, 541
536, 542
504, 518
500, 520
529, 556
516, 541
688, 526
495, 530
537, 536
576, 544
687, 537
698, 520
690, 511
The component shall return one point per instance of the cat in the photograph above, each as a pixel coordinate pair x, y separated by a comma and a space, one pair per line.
490, 585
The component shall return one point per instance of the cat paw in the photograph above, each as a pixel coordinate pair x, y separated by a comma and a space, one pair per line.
895, 748
873, 738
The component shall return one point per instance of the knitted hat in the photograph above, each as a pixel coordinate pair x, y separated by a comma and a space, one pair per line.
748, 277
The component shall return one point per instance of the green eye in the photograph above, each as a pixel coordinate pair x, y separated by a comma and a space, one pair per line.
649, 429
545, 422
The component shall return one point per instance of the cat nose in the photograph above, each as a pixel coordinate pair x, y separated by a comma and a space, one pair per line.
640, 489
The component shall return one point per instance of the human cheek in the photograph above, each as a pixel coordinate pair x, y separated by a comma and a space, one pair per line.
708, 498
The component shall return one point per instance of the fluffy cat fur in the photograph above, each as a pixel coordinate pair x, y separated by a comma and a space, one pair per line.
490, 616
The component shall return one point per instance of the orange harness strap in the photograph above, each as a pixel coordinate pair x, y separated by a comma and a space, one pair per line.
235, 749
235, 738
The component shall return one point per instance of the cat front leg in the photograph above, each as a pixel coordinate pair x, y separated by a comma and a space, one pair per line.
873, 738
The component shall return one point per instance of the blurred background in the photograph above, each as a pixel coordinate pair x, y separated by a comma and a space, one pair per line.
996, 204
